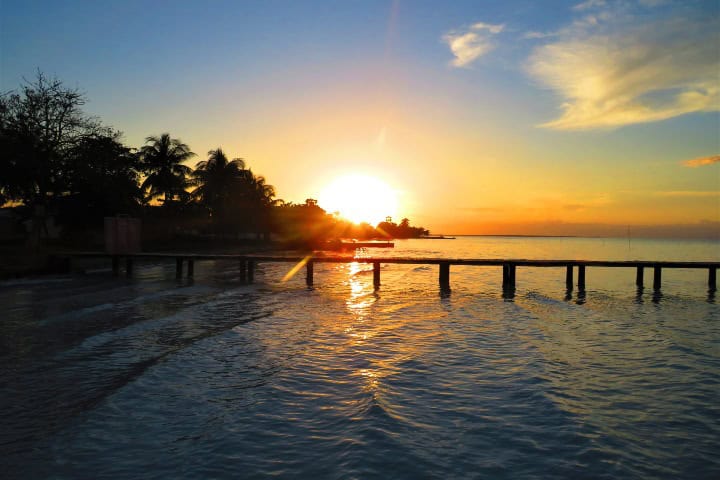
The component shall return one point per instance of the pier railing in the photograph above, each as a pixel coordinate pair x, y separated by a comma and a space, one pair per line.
247, 264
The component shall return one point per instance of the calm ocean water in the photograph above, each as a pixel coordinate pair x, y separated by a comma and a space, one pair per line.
152, 377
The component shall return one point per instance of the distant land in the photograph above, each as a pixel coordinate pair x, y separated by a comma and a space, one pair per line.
702, 230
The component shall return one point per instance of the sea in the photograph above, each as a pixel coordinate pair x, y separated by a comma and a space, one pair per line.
152, 377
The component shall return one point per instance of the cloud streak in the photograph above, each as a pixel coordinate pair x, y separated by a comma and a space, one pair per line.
469, 44
688, 193
612, 70
589, 4
702, 161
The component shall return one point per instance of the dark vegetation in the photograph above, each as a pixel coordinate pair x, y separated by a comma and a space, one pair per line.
62, 172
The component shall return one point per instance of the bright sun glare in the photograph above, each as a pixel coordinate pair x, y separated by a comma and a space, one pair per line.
359, 198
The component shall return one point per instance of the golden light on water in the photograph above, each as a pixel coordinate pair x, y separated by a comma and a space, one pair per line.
359, 198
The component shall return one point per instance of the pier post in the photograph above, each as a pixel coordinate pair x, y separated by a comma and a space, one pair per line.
444, 276
712, 279
581, 278
251, 271
243, 270
309, 267
178, 267
128, 267
569, 277
191, 268
657, 278
639, 277
376, 274
508, 280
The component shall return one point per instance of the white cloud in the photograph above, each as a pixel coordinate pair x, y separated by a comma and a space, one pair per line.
534, 35
495, 29
614, 73
470, 44
588, 4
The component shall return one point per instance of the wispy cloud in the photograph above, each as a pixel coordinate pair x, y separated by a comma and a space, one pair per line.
481, 209
575, 207
533, 35
652, 3
588, 4
612, 69
469, 44
689, 193
699, 162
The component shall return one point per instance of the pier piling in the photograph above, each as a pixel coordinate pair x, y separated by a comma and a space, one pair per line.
376, 275
191, 268
569, 278
712, 279
444, 276
639, 277
657, 277
243, 270
178, 267
581, 278
128, 267
250, 271
309, 267
508, 285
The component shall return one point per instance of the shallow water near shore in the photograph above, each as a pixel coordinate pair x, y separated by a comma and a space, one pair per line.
154, 377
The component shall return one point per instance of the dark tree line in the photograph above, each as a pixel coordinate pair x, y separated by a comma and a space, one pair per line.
56, 160
390, 229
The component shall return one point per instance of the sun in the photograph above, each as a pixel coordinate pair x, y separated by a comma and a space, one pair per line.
359, 198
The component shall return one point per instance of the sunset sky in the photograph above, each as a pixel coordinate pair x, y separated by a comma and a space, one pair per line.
517, 117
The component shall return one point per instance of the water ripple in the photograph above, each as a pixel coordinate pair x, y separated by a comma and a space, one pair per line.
158, 379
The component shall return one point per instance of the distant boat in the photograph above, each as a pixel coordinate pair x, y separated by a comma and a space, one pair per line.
436, 237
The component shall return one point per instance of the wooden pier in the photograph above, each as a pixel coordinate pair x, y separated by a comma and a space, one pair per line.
248, 263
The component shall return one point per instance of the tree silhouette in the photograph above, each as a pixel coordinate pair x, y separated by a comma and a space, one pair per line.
389, 229
39, 126
70, 166
217, 180
161, 160
103, 180
236, 198
254, 202
261, 194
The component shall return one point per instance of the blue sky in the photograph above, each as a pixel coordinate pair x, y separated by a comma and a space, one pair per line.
537, 112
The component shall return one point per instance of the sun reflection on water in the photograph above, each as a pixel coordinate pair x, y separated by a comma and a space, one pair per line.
361, 289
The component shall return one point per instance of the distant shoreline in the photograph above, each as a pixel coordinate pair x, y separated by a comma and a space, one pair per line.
518, 235
704, 239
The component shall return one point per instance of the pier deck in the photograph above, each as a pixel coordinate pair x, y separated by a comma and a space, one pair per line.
248, 262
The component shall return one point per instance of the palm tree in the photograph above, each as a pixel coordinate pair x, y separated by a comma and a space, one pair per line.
261, 193
260, 198
162, 159
218, 179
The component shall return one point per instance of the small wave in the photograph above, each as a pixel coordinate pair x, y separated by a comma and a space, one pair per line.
26, 282
138, 300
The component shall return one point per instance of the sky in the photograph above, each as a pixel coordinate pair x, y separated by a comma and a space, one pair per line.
593, 117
